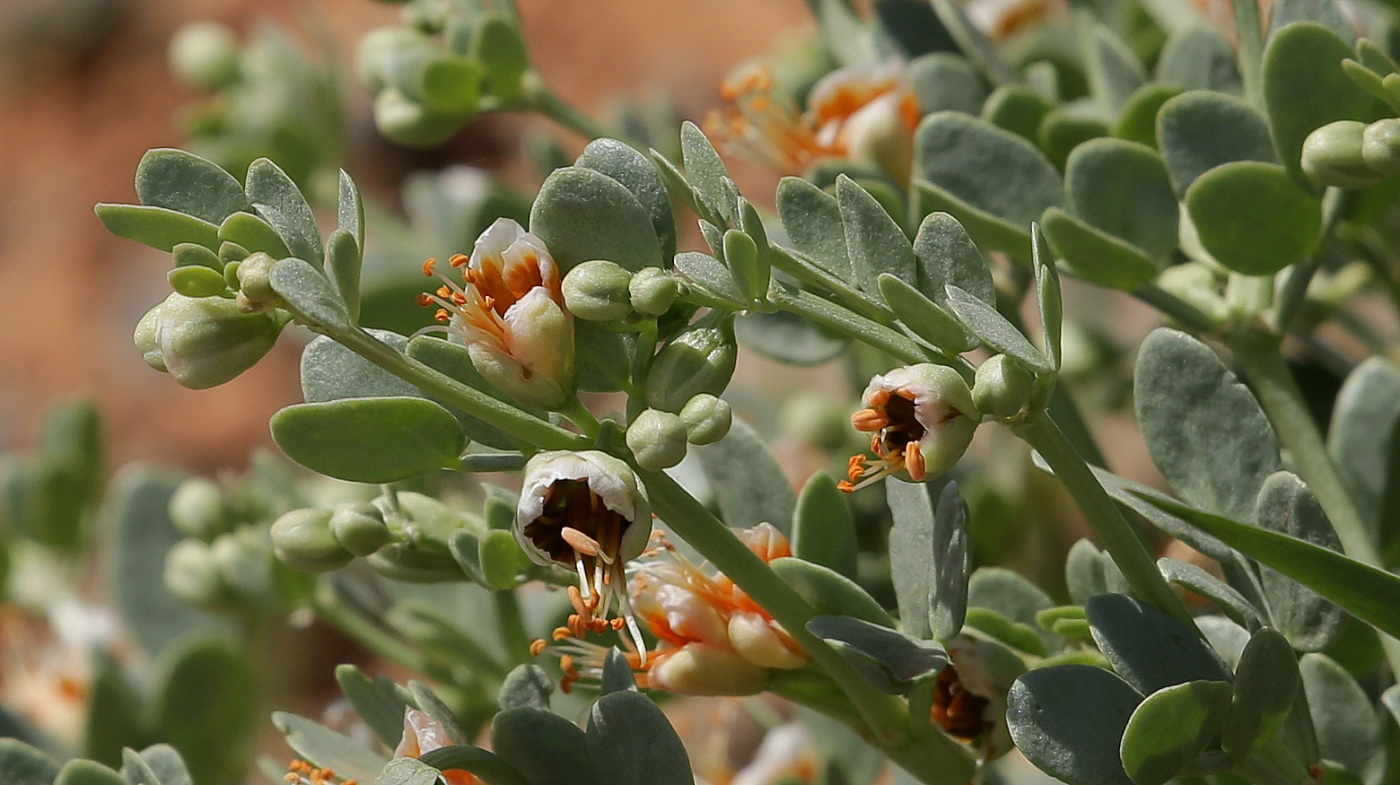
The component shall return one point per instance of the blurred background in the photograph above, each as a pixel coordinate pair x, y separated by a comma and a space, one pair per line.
85, 90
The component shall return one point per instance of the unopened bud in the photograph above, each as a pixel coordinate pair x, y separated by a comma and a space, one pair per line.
597, 291
198, 509
755, 639
699, 360
191, 574
204, 55
204, 342
652, 290
1380, 146
657, 439
697, 669
254, 275
1002, 387
1333, 155
360, 529
303, 540
706, 418
410, 123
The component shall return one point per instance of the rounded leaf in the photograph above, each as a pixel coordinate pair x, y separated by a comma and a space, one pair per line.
1253, 217
1171, 728
1068, 720
373, 440
582, 214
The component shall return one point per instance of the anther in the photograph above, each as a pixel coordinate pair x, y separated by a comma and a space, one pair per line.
428, 267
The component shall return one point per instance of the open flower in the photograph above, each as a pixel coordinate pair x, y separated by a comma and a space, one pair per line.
585, 511
509, 311
712, 638
920, 419
862, 113
969, 701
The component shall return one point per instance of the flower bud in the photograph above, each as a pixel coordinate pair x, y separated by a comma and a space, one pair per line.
204, 55
706, 418
360, 529
757, 640
1333, 155
409, 123
254, 275
1380, 146
204, 342
147, 339
657, 439
1002, 387
192, 574
197, 508
652, 290
245, 565
699, 360
879, 133
303, 540
597, 291
697, 669
921, 419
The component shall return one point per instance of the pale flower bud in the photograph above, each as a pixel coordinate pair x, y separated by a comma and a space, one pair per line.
657, 439
697, 669
758, 641
204, 342
597, 291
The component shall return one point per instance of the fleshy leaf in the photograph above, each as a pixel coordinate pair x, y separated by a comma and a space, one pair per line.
1200, 58
1203, 428
983, 321
1095, 255
874, 242
526, 686
823, 529
204, 706
830, 592
749, 485
705, 171
1305, 87
370, 439
331, 372
891, 661
1115, 72
1266, 682
1122, 188
787, 338
278, 200
182, 181
326, 748
1349, 734
379, 702
308, 295
947, 255
994, 182
812, 220
157, 227
544, 747
21, 764
1285, 505
1200, 130
911, 553
1068, 720
1171, 728
1253, 218
1364, 441
582, 214
949, 590
637, 174
1148, 648
630, 739
1226, 597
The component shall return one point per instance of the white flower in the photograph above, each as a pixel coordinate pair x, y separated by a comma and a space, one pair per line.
510, 314
586, 511
921, 419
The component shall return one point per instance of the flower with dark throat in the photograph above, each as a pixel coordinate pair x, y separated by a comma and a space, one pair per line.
586, 511
509, 311
920, 419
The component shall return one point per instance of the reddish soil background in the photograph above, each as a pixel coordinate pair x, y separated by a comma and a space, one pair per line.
84, 92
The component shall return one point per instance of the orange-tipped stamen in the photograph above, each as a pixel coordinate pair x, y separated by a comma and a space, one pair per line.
869, 420
914, 461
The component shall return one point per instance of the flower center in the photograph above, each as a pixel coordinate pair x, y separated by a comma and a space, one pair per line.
570, 507
895, 435
956, 710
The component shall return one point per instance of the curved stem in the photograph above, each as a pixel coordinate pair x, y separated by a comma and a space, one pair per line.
513, 634
538, 97
1112, 527
936, 759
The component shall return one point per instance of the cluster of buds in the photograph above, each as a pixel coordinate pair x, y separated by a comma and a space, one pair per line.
712, 638
860, 113
509, 311
920, 418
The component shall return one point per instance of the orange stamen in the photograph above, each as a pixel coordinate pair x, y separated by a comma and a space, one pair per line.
869, 420
914, 461
428, 267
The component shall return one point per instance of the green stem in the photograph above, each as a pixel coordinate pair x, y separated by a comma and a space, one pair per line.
1249, 33
517, 423
643, 351
517, 641
538, 97
1178, 309
1262, 364
579, 415
936, 759
1105, 517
